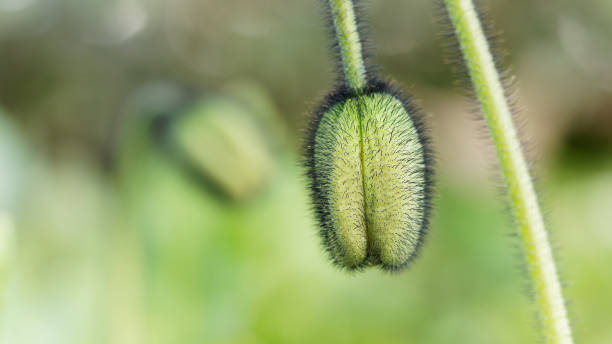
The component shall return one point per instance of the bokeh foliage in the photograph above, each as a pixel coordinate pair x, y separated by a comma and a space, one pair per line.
106, 238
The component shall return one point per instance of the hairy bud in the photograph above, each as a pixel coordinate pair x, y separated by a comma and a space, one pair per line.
370, 172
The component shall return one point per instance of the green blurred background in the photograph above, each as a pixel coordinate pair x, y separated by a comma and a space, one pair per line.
150, 188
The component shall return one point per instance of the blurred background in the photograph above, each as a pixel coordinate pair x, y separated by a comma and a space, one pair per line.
150, 187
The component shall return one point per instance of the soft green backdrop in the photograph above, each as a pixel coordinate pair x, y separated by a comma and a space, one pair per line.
133, 211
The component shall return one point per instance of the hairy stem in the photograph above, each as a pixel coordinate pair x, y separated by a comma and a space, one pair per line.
524, 202
347, 36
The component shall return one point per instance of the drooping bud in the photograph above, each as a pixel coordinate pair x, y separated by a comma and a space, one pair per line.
370, 172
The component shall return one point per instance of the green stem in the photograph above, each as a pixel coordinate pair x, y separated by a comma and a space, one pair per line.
524, 203
347, 35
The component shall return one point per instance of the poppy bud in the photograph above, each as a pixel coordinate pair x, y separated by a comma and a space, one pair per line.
370, 172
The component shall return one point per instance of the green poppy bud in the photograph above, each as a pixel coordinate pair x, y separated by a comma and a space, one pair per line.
370, 172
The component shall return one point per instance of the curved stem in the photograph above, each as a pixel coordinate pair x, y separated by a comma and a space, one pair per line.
524, 203
349, 43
